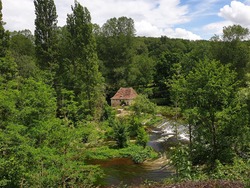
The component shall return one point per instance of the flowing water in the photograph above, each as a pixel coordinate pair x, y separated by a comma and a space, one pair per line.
125, 171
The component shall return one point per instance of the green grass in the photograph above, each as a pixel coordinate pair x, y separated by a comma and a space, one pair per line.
137, 153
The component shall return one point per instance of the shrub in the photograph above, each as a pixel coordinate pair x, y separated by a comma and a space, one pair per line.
143, 105
180, 160
121, 134
238, 171
142, 137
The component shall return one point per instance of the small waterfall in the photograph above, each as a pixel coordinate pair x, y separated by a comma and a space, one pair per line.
166, 134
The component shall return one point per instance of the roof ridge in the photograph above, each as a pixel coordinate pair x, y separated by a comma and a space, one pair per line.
125, 93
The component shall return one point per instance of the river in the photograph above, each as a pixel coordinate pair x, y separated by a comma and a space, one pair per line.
124, 171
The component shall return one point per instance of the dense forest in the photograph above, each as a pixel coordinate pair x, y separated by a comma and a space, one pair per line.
56, 85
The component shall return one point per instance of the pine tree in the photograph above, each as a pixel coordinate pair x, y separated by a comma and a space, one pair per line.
45, 33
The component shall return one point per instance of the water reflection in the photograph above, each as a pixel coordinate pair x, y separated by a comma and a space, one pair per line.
125, 171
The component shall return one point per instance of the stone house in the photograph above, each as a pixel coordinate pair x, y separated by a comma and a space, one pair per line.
124, 96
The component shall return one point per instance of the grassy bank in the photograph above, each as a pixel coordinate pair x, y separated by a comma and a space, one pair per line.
137, 153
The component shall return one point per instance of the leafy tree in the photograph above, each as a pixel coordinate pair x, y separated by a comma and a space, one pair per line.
115, 50
82, 62
141, 72
4, 36
143, 105
163, 74
142, 137
30, 131
21, 112
8, 68
235, 33
237, 171
45, 34
23, 50
120, 134
231, 49
180, 160
206, 93
22, 43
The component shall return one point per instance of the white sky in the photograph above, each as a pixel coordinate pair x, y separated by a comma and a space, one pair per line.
189, 19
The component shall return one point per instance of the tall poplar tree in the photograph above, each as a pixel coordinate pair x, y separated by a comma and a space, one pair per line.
3, 35
85, 76
45, 33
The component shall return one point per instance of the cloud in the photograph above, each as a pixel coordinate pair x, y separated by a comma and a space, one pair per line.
147, 29
216, 27
237, 13
151, 17
202, 8
234, 13
181, 33
18, 14
160, 12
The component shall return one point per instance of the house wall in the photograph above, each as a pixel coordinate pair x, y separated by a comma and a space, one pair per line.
117, 102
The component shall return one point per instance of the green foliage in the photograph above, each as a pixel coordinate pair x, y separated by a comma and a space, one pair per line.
143, 105
141, 71
23, 51
238, 171
134, 122
168, 111
30, 131
45, 34
142, 137
235, 33
56, 152
4, 36
8, 68
206, 95
22, 44
164, 73
115, 49
81, 63
36, 102
108, 114
89, 133
121, 134
26, 102
231, 50
137, 153
179, 158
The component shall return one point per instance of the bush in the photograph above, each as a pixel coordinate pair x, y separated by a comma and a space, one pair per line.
180, 160
238, 171
121, 134
143, 105
137, 153
142, 137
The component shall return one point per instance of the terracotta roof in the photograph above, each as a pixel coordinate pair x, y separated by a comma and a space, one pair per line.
125, 93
